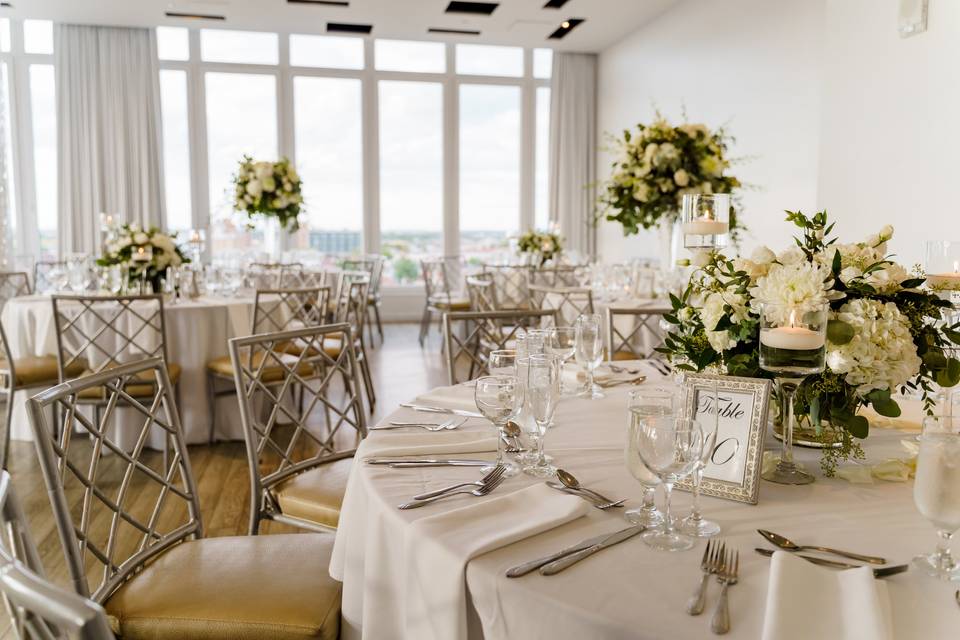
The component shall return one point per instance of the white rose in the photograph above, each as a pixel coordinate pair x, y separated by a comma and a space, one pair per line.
763, 255
269, 184
886, 232
293, 175
700, 259
790, 256
141, 238
263, 170
681, 178
254, 188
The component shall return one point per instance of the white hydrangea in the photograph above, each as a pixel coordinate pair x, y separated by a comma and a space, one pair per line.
856, 258
881, 354
799, 285
713, 310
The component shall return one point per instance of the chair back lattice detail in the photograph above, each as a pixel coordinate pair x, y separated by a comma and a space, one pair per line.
512, 285
13, 284
41, 273
126, 505
352, 301
38, 609
308, 279
371, 265
439, 278
282, 309
107, 331
640, 341
561, 275
470, 336
271, 275
482, 293
308, 415
569, 302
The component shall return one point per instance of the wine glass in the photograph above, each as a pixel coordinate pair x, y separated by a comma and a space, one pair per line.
792, 346
589, 351
707, 411
499, 399
543, 392
537, 341
935, 491
562, 343
502, 362
643, 403
670, 447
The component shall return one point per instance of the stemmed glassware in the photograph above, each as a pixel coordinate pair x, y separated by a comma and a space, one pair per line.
670, 447
502, 362
643, 403
935, 491
543, 392
499, 399
589, 351
791, 347
562, 343
707, 411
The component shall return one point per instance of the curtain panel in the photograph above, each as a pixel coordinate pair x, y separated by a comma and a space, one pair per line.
110, 153
573, 149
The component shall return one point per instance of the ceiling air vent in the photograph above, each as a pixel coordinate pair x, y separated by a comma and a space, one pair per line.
565, 27
326, 3
458, 32
347, 27
194, 16
555, 4
473, 8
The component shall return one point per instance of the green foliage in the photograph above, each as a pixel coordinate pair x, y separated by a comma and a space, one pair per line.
544, 246
405, 270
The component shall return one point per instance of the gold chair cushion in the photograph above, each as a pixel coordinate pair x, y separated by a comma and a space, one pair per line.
271, 372
451, 305
134, 389
35, 371
316, 495
625, 355
275, 587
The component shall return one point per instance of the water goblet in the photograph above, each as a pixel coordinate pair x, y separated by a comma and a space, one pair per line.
643, 403
562, 343
537, 341
543, 392
936, 491
502, 362
707, 411
499, 399
669, 446
589, 351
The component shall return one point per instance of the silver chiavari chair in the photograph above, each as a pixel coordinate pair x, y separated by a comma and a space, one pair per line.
561, 275
132, 535
299, 446
512, 284
482, 293
37, 608
470, 336
641, 337
441, 293
569, 302
373, 266
270, 275
13, 284
273, 310
352, 310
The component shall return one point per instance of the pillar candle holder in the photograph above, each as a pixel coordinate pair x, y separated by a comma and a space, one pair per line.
706, 220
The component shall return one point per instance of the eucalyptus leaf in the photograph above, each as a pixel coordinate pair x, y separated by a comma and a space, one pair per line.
935, 360
840, 332
887, 408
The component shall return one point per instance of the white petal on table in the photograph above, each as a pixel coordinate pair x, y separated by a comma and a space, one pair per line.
416, 444
806, 601
439, 547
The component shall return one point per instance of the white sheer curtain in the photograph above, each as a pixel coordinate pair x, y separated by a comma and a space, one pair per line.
108, 131
6, 245
573, 148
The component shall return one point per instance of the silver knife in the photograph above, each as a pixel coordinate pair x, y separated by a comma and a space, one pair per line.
428, 461
877, 573
442, 463
456, 412
527, 567
569, 560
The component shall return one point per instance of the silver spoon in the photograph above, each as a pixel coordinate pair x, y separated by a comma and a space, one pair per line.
789, 545
570, 482
512, 431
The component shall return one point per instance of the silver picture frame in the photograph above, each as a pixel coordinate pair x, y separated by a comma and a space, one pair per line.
733, 471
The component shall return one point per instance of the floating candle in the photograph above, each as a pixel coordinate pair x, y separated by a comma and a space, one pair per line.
945, 280
705, 227
793, 338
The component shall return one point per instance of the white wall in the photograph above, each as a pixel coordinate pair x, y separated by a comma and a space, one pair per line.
751, 65
890, 135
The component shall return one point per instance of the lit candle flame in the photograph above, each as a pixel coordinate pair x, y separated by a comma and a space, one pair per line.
956, 266
793, 317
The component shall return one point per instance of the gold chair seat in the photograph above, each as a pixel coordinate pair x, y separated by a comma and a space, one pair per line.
454, 304
316, 495
625, 355
274, 587
146, 388
34, 371
271, 372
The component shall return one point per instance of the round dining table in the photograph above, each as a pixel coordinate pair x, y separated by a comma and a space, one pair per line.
197, 331
438, 572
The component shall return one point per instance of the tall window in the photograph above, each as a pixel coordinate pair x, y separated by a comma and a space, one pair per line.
542, 151
176, 148
44, 114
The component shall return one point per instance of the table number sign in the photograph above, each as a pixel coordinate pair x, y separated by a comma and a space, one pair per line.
741, 405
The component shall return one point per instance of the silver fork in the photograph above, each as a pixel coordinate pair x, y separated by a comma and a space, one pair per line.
708, 565
429, 426
727, 575
494, 474
479, 491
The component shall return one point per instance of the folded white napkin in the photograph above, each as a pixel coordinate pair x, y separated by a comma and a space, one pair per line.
456, 397
437, 549
441, 442
806, 601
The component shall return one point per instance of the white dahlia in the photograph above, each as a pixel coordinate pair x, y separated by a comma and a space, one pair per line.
800, 286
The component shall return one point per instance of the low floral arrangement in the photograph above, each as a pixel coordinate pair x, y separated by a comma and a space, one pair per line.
143, 251
885, 333
269, 189
542, 246
660, 163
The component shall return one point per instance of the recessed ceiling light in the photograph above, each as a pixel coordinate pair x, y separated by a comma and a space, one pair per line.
330, 3
475, 8
565, 24
554, 4
346, 27
194, 16
565, 27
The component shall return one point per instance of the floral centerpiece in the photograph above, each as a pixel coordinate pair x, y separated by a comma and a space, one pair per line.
660, 163
885, 333
145, 252
269, 189
541, 246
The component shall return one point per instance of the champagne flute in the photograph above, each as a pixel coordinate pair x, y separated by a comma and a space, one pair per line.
670, 447
562, 343
589, 351
499, 399
643, 403
543, 392
707, 411
936, 491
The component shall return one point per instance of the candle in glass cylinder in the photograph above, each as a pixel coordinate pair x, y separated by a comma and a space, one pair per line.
792, 338
705, 227
945, 280
140, 254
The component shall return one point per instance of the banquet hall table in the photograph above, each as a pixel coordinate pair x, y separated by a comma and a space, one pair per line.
627, 591
197, 331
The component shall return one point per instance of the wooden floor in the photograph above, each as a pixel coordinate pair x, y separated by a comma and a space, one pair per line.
401, 370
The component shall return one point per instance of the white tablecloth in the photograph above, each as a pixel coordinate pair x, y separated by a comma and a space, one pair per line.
629, 591
197, 332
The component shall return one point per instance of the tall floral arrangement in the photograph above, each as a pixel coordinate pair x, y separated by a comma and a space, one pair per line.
270, 189
885, 332
145, 252
658, 164
543, 246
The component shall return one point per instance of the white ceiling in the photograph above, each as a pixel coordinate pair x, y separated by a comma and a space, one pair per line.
516, 22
